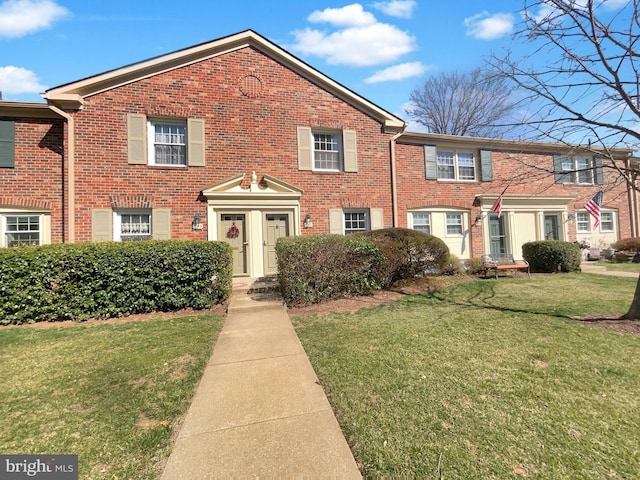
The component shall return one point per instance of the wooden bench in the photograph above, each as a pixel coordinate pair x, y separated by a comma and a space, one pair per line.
503, 261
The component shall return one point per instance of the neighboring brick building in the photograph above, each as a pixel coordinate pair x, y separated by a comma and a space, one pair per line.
238, 140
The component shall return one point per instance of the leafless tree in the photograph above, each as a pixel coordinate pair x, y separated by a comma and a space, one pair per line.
468, 104
581, 78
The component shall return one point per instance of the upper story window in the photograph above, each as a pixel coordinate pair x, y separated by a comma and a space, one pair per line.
578, 169
421, 222
170, 142
22, 230
456, 165
167, 142
327, 151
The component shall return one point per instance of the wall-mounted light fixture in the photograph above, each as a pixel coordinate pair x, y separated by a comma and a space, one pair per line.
195, 224
478, 220
307, 221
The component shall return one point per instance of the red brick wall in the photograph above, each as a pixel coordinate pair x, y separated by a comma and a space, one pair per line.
528, 173
35, 181
243, 133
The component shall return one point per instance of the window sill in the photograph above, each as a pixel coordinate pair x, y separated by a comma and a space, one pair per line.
167, 167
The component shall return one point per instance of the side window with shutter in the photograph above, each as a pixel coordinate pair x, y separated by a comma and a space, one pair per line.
486, 166
7, 143
430, 163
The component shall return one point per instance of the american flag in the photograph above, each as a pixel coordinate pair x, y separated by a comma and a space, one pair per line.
593, 207
497, 206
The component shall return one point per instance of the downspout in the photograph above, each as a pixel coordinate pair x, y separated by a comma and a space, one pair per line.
394, 183
71, 176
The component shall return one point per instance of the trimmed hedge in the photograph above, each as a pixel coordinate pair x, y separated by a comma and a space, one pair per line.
317, 268
111, 279
409, 253
549, 256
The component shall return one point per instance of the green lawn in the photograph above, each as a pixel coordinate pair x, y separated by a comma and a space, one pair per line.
620, 267
486, 380
111, 393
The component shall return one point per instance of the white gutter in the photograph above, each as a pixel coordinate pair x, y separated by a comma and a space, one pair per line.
71, 176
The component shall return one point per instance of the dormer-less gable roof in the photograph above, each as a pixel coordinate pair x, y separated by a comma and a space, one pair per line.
71, 95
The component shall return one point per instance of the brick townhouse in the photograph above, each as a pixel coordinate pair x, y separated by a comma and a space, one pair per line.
238, 140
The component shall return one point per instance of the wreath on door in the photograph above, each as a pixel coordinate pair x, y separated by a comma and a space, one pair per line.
233, 231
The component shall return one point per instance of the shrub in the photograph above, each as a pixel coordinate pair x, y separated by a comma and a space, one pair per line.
111, 279
316, 268
475, 266
454, 266
552, 256
628, 244
621, 258
408, 253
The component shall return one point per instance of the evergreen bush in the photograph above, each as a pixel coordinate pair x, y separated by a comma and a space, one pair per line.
549, 256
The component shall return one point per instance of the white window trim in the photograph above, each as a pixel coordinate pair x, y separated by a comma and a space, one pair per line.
446, 225
117, 222
412, 224
151, 141
456, 166
613, 221
573, 173
339, 135
588, 222
367, 219
44, 230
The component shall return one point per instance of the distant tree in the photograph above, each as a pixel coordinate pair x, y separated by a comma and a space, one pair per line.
468, 104
581, 78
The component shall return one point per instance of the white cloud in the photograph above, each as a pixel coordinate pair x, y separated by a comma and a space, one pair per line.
363, 46
349, 16
396, 8
21, 17
489, 27
398, 72
17, 80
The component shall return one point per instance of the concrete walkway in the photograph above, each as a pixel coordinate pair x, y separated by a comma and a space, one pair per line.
590, 267
259, 410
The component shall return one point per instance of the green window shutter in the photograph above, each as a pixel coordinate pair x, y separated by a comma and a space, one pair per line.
7, 143
137, 139
599, 177
350, 151
557, 170
101, 225
161, 223
336, 221
304, 148
195, 136
430, 164
486, 166
377, 218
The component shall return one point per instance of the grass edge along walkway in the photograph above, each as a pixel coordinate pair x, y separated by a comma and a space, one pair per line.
110, 392
487, 379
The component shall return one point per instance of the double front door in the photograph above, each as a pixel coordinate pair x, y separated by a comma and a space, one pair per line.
253, 235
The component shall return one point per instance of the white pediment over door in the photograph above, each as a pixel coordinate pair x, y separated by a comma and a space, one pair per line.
268, 189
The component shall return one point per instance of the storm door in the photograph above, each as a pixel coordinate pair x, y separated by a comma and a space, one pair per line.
497, 237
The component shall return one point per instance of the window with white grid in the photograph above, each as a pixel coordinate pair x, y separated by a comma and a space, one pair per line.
606, 222
577, 170
130, 226
355, 221
327, 151
167, 143
454, 223
583, 222
22, 230
421, 222
454, 165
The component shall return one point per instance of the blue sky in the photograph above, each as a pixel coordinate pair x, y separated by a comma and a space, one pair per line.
382, 50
